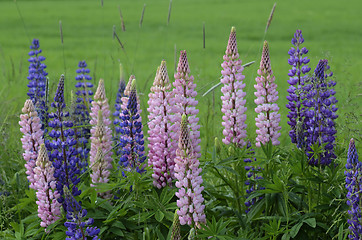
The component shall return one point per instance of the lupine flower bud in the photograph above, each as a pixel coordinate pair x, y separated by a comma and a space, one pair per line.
32, 138
175, 235
233, 102
268, 118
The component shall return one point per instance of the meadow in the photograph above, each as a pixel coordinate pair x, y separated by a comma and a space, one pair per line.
331, 30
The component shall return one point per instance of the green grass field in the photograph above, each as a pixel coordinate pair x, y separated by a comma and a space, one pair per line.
331, 30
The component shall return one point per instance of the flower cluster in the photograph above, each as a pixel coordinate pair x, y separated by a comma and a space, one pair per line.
32, 138
354, 186
268, 118
320, 115
161, 154
37, 81
183, 102
77, 227
187, 173
62, 147
233, 102
296, 96
48, 205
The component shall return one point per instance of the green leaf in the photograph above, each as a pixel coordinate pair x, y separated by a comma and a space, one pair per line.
159, 215
311, 222
286, 236
295, 229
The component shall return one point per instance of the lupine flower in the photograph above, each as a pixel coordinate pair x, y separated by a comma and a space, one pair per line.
268, 118
48, 206
296, 95
184, 102
62, 149
161, 154
101, 153
37, 82
78, 228
320, 103
187, 173
132, 143
32, 138
354, 186
81, 112
233, 102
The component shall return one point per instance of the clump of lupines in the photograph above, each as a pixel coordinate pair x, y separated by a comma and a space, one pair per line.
37, 82
81, 112
62, 147
161, 154
78, 228
101, 153
187, 173
354, 186
268, 118
132, 143
233, 102
32, 138
48, 205
320, 103
184, 102
296, 94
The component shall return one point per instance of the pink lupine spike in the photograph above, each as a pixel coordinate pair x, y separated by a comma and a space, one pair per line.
233, 102
162, 153
268, 118
183, 102
32, 138
189, 180
46, 193
100, 103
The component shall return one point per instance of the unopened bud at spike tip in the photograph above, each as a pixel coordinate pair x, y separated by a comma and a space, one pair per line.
101, 91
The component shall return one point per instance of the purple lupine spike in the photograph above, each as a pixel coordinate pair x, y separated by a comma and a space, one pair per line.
189, 180
78, 227
354, 185
184, 102
62, 146
268, 118
296, 115
132, 143
46, 193
37, 82
161, 154
32, 138
320, 112
233, 102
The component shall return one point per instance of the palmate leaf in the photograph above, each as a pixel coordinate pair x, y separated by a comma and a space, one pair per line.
215, 230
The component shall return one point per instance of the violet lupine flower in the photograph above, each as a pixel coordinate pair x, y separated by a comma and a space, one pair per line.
62, 149
46, 193
78, 228
268, 118
296, 96
233, 102
354, 186
32, 138
320, 103
37, 82
161, 154
101, 153
187, 173
184, 102
81, 112
132, 143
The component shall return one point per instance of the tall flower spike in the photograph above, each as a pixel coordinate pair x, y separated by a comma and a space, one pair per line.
161, 152
132, 143
268, 118
296, 95
187, 173
101, 153
32, 138
354, 185
183, 102
233, 102
48, 206
37, 82
62, 147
